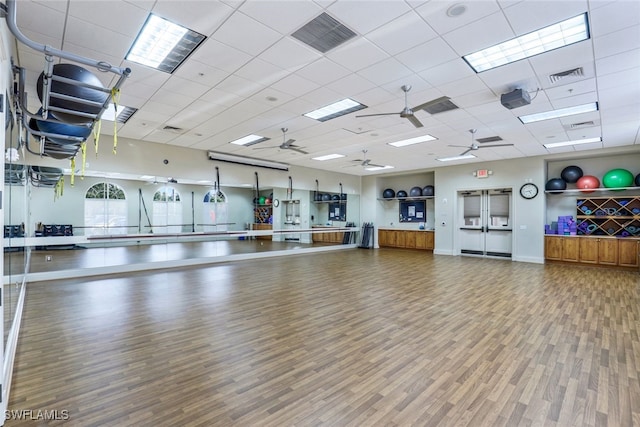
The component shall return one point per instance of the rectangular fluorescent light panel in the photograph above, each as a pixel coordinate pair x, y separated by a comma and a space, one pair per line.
163, 45
554, 36
451, 159
328, 157
249, 140
124, 113
562, 112
412, 141
576, 142
334, 110
378, 168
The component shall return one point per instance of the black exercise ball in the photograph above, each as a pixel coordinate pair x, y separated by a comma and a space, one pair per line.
428, 191
555, 184
79, 74
401, 193
571, 174
343, 196
415, 192
326, 197
335, 197
638, 180
388, 193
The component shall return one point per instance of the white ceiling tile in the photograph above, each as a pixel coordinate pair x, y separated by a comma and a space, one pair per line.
427, 55
435, 14
260, 72
239, 86
185, 87
402, 33
323, 71
565, 58
465, 86
85, 34
220, 97
40, 19
351, 85
620, 62
246, 34
118, 16
362, 18
220, 55
623, 79
508, 77
527, 16
481, 34
571, 89
202, 73
357, 54
448, 72
612, 16
386, 71
617, 42
294, 85
203, 17
283, 16
289, 54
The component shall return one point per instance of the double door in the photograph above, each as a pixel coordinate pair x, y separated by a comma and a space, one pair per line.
485, 222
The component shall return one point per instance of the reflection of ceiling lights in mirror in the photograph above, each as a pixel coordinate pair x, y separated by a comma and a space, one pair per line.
451, 159
554, 36
337, 109
163, 45
249, 140
562, 112
327, 157
412, 141
576, 142
377, 168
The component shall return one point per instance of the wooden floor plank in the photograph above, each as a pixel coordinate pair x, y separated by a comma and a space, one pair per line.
359, 337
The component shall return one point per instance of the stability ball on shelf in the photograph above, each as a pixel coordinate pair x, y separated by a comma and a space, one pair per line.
617, 178
81, 75
82, 131
428, 191
571, 174
326, 197
555, 184
638, 180
335, 197
261, 200
401, 193
415, 192
587, 183
388, 193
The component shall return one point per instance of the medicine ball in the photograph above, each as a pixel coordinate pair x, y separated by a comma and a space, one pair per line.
388, 193
571, 174
415, 192
428, 191
555, 184
79, 74
401, 193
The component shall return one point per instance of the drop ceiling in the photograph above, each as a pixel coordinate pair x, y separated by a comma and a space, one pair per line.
251, 76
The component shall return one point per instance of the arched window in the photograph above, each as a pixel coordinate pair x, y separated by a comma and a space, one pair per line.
215, 211
167, 211
105, 210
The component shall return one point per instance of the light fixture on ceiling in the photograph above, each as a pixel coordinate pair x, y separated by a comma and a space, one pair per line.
249, 161
328, 157
562, 112
249, 140
576, 142
124, 113
451, 159
411, 141
377, 168
456, 10
564, 33
163, 45
337, 109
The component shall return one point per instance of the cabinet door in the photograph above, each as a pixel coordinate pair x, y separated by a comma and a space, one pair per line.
553, 247
589, 250
421, 240
430, 240
400, 239
382, 238
410, 239
628, 253
608, 251
570, 249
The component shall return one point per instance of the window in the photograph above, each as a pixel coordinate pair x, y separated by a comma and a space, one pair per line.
214, 211
167, 211
105, 210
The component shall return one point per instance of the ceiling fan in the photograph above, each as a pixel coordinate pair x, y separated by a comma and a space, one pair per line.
364, 162
407, 113
287, 144
474, 146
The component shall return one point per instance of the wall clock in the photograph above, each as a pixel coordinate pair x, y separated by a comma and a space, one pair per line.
529, 190
276, 203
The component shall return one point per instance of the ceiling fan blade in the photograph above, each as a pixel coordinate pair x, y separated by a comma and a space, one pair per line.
379, 114
289, 142
496, 145
460, 146
432, 102
297, 149
414, 121
373, 165
465, 152
262, 148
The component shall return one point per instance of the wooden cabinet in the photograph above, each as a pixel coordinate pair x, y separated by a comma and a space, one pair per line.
629, 253
263, 227
327, 237
605, 251
408, 239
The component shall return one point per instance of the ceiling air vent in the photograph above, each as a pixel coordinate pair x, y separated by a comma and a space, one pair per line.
323, 33
439, 105
125, 114
489, 139
582, 124
173, 129
574, 73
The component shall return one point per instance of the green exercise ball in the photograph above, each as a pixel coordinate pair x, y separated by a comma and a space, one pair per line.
261, 200
618, 178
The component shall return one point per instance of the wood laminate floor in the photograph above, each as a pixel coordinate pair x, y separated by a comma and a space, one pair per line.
349, 338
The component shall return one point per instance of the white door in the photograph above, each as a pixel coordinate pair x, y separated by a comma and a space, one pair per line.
485, 222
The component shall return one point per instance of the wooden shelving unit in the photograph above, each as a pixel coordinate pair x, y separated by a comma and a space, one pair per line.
609, 216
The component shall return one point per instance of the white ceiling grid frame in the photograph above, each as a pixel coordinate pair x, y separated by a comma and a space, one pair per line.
281, 16
125, 18
357, 54
385, 71
435, 14
323, 71
204, 17
246, 34
401, 34
290, 54
361, 18
219, 55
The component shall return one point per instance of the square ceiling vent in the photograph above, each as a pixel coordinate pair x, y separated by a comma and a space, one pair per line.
323, 33
574, 73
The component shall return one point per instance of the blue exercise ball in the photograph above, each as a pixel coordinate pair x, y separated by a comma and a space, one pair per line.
571, 174
428, 191
388, 193
415, 192
81, 75
57, 127
326, 197
402, 193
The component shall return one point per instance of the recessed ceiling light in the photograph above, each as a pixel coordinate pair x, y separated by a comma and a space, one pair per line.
249, 140
124, 113
377, 168
576, 142
554, 36
562, 112
411, 141
328, 157
334, 110
456, 10
163, 45
451, 159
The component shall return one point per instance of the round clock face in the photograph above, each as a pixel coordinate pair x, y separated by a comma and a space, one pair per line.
276, 203
529, 190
